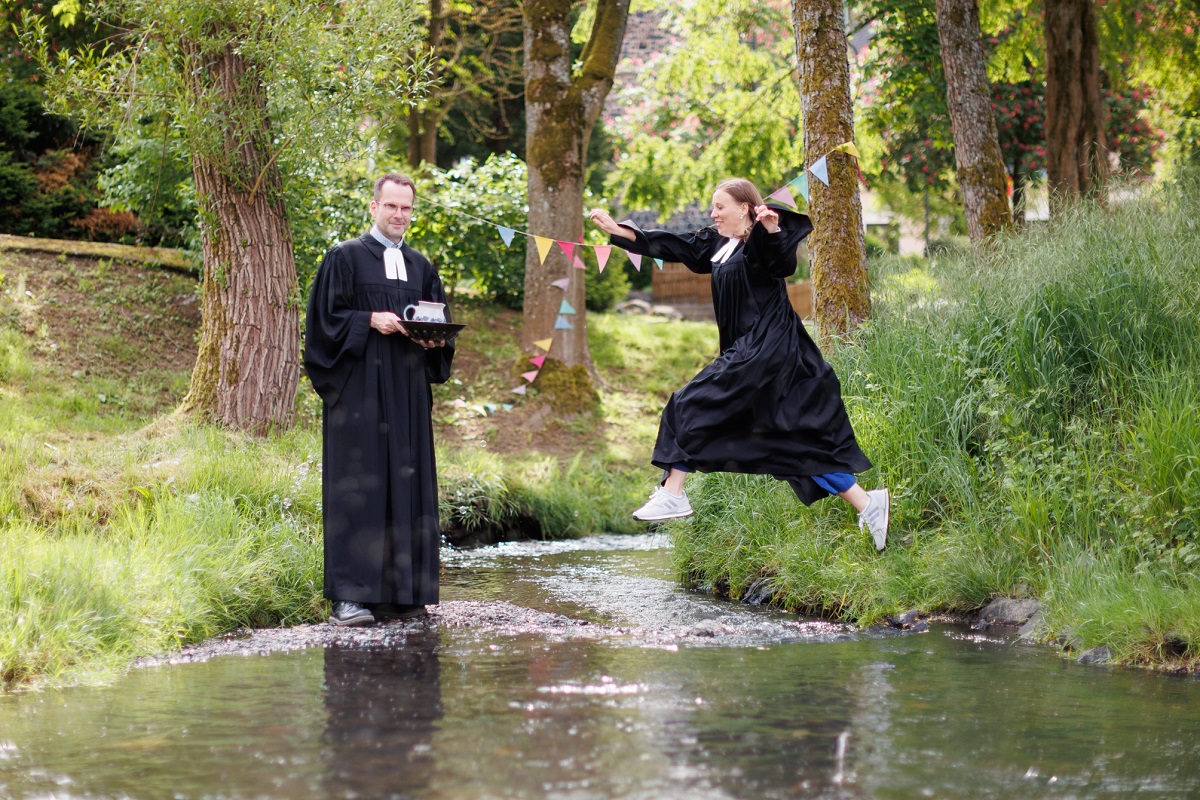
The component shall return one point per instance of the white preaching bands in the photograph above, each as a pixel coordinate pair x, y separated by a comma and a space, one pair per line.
725, 252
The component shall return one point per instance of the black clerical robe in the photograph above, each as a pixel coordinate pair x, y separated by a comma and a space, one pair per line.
379, 480
770, 404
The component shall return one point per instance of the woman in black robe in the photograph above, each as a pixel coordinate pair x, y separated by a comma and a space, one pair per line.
379, 479
770, 404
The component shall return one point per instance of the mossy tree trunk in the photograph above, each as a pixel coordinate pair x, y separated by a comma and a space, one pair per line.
977, 157
841, 292
248, 363
1076, 148
562, 102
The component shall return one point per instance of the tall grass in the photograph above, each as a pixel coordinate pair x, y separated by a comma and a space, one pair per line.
118, 540
1031, 409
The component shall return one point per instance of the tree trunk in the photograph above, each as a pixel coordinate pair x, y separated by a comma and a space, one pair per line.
1076, 149
560, 111
977, 157
422, 137
423, 120
248, 362
841, 292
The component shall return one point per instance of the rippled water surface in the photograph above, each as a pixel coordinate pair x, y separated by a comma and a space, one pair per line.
682, 697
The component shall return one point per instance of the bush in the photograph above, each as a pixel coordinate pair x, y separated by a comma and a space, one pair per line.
457, 213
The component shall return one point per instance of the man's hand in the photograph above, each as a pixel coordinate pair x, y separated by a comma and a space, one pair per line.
429, 344
387, 323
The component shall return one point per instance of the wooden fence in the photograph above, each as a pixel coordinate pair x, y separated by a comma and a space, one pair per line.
675, 284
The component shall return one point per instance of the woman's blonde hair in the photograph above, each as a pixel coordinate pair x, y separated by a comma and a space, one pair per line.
742, 191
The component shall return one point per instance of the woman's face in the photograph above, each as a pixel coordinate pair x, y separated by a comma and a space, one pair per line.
728, 214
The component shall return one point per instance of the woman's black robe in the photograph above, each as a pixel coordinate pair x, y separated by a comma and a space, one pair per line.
770, 404
379, 481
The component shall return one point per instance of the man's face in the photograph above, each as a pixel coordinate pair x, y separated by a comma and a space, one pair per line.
393, 210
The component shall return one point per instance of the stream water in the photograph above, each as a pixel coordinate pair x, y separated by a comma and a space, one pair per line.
579, 670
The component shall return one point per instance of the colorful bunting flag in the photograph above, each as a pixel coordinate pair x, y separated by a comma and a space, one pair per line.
561, 283
562, 325
544, 343
565, 308
578, 262
800, 184
784, 196
529, 376
848, 148
506, 234
568, 248
537, 362
520, 389
659, 261
821, 170
636, 258
602, 252
543, 246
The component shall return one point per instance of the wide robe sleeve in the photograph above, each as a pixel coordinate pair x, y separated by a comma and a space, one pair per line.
335, 332
774, 254
694, 250
437, 359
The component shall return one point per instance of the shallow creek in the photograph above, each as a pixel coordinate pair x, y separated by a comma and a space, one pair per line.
580, 670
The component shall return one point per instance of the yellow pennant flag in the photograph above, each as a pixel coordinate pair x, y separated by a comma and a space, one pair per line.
848, 147
544, 343
543, 246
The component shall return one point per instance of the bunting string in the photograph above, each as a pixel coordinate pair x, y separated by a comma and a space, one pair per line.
819, 169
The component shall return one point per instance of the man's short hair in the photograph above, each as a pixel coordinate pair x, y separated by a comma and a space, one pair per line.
395, 177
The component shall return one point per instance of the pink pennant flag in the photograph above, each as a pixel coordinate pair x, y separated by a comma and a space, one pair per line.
561, 283
537, 362
578, 263
529, 376
602, 253
784, 196
568, 248
519, 390
636, 258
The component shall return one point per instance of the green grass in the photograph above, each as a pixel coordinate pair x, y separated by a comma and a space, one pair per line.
1034, 411
127, 531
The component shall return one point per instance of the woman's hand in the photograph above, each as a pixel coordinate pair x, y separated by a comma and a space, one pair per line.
604, 222
769, 218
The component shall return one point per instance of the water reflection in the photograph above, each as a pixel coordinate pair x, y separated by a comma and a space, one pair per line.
382, 708
438, 710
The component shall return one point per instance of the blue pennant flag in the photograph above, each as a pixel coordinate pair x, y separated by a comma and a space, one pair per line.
506, 234
821, 170
800, 184
563, 325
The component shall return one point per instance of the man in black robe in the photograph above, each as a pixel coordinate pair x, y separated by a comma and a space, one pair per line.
379, 481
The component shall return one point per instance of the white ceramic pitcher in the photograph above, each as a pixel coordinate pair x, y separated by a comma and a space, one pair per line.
425, 311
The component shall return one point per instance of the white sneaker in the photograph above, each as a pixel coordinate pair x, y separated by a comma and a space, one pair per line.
664, 505
876, 516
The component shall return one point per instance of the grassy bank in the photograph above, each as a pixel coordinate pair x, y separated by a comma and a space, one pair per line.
126, 531
1036, 413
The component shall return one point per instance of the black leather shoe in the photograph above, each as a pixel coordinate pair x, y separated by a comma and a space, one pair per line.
349, 614
391, 611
